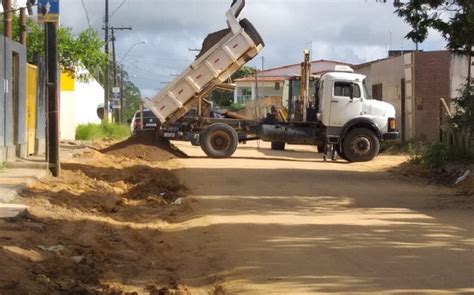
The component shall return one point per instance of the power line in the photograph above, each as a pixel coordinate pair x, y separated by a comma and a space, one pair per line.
87, 13
116, 9
146, 71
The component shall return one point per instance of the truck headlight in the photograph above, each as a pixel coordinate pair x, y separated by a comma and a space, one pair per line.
392, 124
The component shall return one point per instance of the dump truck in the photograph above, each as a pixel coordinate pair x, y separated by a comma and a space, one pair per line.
332, 108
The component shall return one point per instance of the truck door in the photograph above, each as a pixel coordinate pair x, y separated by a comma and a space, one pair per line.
343, 108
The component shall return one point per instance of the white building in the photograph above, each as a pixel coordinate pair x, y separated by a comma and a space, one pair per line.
79, 102
271, 82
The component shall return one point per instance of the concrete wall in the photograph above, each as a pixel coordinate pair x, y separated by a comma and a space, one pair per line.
265, 89
389, 73
78, 105
13, 109
428, 77
458, 73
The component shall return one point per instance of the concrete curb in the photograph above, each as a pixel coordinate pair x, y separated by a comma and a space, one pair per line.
13, 193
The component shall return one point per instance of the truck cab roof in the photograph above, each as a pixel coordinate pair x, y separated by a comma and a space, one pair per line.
342, 76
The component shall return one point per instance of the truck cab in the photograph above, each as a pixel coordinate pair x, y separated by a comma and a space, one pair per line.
337, 110
345, 103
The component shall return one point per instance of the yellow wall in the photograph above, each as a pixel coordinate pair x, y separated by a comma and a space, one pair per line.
31, 94
67, 82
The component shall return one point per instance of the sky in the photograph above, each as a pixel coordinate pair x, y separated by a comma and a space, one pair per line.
352, 31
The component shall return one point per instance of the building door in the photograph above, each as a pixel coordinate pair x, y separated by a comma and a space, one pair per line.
403, 109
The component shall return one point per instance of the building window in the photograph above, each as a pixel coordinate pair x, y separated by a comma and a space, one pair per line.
344, 89
246, 91
277, 85
377, 91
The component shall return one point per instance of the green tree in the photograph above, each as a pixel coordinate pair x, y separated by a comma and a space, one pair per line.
85, 50
454, 19
226, 98
243, 72
132, 99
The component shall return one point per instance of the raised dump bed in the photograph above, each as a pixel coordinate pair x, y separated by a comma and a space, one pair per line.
213, 66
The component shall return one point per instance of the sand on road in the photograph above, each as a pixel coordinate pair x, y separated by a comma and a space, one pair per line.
286, 222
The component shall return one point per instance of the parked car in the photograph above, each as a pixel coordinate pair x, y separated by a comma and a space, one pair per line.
150, 121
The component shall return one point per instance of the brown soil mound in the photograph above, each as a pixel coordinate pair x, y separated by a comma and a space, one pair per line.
145, 146
97, 229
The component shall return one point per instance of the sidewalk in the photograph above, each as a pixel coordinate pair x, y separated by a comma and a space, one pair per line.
18, 175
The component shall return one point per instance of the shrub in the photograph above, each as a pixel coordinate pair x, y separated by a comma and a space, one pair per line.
436, 155
102, 131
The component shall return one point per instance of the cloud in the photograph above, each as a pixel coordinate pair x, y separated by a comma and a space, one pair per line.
352, 31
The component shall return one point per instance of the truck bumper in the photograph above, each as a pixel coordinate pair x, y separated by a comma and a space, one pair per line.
391, 136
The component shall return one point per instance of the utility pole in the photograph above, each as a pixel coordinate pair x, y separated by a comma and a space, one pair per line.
7, 18
117, 112
23, 34
53, 98
106, 74
48, 13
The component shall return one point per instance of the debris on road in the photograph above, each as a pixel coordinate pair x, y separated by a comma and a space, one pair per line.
55, 249
97, 224
144, 146
463, 177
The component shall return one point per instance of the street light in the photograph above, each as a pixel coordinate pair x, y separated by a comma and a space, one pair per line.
130, 49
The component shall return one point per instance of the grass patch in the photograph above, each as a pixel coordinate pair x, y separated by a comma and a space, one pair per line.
102, 131
437, 155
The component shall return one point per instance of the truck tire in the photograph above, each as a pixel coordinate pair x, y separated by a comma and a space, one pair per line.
278, 146
340, 153
360, 145
219, 141
320, 148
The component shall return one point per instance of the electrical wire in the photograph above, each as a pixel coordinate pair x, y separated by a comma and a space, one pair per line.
87, 13
116, 9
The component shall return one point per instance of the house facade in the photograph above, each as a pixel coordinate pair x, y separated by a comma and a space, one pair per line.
79, 103
414, 83
271, 82
13, 140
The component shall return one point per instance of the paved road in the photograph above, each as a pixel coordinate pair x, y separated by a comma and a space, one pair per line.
286, 222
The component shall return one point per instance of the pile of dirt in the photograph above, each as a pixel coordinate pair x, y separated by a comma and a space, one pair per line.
145, 146
97, 229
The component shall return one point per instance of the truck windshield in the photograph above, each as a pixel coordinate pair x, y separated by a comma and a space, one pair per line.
366, 92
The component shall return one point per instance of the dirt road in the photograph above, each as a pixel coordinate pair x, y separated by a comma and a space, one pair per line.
286, 222
263, 222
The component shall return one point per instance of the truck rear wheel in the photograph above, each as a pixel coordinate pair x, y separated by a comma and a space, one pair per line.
219, 141
278, 146
360, 145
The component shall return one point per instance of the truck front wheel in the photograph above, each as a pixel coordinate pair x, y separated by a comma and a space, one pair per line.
360, 145
219, 141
